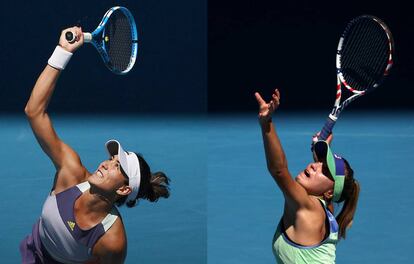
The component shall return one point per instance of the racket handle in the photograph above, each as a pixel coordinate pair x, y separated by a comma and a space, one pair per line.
327, 129
70, 37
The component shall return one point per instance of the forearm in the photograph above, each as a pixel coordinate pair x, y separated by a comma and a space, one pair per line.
275, 156
42, 91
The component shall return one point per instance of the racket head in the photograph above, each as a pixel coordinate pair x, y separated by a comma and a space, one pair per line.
116, 39
365, 54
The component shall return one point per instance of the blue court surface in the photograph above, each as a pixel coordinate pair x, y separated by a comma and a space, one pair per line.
245, 204
170, 231
224, 206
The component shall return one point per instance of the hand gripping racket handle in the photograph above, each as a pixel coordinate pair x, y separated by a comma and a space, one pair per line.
70, 37
327, 129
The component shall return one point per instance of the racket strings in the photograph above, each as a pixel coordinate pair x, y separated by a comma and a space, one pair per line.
365, 64
375, 42
364, 54
349, 63
358, 45
118, 41
368, 74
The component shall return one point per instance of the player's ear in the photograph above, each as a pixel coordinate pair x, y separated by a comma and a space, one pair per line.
328, 195
124, 190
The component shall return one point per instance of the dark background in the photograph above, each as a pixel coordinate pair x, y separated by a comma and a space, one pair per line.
252, 45
169, 75
261, 45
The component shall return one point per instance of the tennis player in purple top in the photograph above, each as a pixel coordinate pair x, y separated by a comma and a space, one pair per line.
79, 222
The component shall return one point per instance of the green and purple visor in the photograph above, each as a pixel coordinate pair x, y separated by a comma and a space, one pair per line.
336, 165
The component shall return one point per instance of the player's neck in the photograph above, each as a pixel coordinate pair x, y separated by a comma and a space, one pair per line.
93, 202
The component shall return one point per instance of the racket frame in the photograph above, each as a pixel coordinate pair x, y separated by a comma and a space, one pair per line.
338, 106
97, 39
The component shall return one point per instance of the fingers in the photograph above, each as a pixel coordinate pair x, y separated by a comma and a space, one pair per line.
266, 109
78, 33
276, 95
316, 135
259, 99
329, 139
76, 43
315, 138
275, 99
273, 104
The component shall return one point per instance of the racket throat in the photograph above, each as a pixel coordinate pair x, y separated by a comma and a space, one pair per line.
332, 117
87, 37
335, 112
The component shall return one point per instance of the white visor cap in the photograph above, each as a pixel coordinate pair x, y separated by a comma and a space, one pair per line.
129, 163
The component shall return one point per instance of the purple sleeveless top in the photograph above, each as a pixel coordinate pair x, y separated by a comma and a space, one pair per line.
59, 233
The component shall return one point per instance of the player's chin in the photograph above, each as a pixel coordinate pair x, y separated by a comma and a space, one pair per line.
301, 180
94, 179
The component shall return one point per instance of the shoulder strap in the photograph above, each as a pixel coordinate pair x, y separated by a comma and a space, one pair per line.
323, 202
83, 186
110, 219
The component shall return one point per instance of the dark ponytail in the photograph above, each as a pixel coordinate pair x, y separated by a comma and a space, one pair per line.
152, 187
349, 196
159, 187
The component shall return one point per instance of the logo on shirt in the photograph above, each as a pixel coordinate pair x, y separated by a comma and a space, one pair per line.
71, 225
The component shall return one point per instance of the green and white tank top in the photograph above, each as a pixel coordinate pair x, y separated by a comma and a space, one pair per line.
288, 252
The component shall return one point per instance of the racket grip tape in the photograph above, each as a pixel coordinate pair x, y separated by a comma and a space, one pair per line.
327, 129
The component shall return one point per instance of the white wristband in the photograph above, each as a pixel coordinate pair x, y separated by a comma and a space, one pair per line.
59, 58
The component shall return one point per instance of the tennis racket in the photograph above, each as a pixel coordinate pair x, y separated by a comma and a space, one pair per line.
364, 57
115, 38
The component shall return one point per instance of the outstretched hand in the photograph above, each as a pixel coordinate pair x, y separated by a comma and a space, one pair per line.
266, 109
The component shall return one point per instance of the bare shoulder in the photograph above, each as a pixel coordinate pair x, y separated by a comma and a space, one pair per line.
68, 176
303, 216
312, 216
306, 225
112, 246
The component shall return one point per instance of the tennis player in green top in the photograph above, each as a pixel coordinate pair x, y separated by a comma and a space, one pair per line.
308, 231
